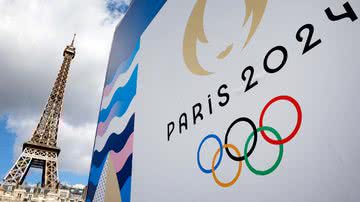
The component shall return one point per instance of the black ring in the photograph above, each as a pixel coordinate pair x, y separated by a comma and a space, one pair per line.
283, 50
241, 158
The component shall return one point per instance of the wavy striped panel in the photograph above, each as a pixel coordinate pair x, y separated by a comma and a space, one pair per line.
114, 123
119, 158
123, 67
115, 130
115, 142
121, 80
120, 100
117, 125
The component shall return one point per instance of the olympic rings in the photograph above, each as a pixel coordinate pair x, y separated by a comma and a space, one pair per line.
277, 163
247, 153
198, 153
241, 158
298, 122
228, 184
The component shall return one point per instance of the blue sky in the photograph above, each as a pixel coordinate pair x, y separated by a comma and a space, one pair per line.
117, 6
7, 141
40, 25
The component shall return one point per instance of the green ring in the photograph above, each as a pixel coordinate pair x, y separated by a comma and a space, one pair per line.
277, 163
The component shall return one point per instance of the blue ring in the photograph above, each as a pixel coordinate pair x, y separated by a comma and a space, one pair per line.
207, 171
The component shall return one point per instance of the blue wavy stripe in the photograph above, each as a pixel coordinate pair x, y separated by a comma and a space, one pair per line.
125, 65
115, 142
123, 95
95, 173
129, 128
125, 172
91, 189
126, 190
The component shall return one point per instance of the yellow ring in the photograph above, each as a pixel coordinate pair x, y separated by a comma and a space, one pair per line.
222, 184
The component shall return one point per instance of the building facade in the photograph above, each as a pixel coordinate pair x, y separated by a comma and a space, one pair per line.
38, 194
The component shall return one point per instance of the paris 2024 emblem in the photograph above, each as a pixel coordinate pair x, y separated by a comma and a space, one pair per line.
194, 32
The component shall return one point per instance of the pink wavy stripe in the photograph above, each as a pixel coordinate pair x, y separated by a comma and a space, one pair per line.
119, 159
102, 126
108, 87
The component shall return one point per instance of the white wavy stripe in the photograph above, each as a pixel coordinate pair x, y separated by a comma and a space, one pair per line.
117, 125
120, 82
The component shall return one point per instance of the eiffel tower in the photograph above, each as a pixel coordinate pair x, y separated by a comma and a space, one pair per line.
42, 151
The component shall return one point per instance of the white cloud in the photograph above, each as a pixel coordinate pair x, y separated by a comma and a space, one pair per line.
76, 142
78, 186
23, 129
33, 35
76, 148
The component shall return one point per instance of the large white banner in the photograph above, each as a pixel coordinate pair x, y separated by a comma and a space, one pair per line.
246, 100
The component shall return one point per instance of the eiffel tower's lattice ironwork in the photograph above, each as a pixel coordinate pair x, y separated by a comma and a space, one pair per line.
42, 151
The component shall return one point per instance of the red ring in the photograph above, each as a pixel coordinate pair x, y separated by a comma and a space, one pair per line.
298, 123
